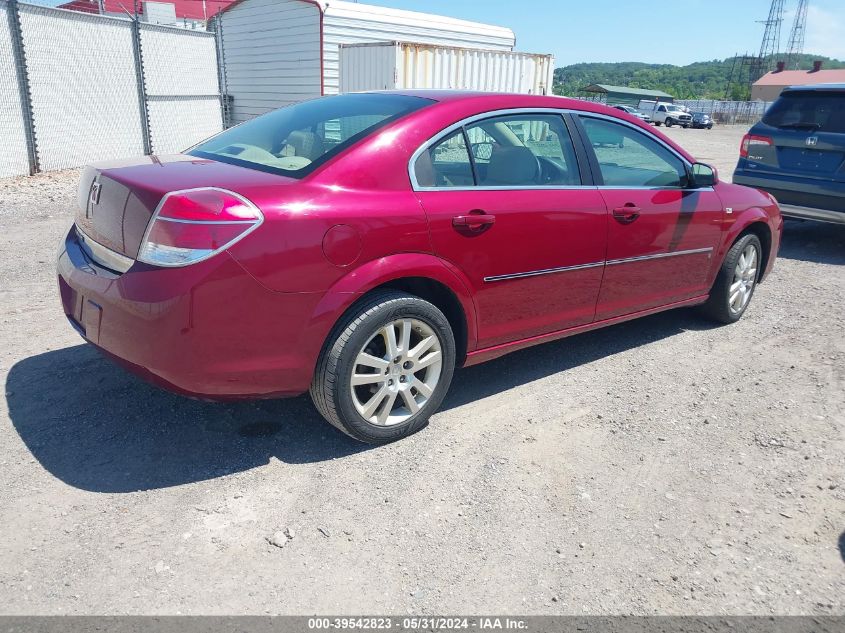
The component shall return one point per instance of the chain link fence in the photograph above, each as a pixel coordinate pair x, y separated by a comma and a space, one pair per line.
723, 112
728, 112
14, 157
77, 88
183, 101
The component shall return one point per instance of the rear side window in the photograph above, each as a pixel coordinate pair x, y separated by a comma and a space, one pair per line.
446, 163
523, 151
295, 140
811, 111
529, 150
628, 158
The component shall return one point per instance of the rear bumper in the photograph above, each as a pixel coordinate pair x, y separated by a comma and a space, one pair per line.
806, 198
809, 213
209, 330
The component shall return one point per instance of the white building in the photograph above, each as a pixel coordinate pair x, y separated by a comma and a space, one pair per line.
278, 52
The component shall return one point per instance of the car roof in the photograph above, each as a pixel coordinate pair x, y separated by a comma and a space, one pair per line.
479, 102
816, 88
502, 100
451, 95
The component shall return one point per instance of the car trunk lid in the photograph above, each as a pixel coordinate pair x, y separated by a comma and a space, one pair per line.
808, 152
117, 199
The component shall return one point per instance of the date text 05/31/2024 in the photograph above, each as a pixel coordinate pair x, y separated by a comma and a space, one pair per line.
417, 624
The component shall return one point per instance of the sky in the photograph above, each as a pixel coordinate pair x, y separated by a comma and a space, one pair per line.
645, 31
639, 30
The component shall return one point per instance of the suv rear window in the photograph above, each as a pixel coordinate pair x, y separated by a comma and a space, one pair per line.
295, 140
811, 111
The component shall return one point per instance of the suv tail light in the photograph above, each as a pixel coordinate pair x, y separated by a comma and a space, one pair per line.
751, 139
192, 225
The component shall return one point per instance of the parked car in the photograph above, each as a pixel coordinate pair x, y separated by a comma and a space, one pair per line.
362, 246
796, 153
701, 120
634, 112
666, 113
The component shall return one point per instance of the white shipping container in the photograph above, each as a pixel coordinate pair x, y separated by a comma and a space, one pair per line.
416, 66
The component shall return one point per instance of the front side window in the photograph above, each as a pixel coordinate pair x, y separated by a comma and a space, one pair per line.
295, 140
628, 158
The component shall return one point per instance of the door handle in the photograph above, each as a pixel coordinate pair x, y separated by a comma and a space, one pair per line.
473, 220
626, 214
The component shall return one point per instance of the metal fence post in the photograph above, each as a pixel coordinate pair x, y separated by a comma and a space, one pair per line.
23, 84
142, 89
221, 69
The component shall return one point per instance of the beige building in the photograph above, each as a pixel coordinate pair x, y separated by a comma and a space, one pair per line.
770, 85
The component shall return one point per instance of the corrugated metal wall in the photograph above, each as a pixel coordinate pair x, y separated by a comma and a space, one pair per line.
100, 87
271, 49
411, 66
352, 23
183, 93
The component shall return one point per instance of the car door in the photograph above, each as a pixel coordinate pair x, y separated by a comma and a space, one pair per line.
661, 234
515, 218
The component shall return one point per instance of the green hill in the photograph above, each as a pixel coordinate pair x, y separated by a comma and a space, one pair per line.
699, 80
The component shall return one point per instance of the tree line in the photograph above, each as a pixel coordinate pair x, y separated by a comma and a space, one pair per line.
699, 80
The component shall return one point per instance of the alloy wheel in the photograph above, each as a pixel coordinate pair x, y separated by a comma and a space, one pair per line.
396, 372
745, 276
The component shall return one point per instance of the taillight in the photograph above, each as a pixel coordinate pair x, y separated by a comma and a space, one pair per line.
751, 139
195, 224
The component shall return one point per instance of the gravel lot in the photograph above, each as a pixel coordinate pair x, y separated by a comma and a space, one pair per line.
660, 466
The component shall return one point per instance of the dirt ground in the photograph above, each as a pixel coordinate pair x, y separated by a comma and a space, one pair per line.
661, 466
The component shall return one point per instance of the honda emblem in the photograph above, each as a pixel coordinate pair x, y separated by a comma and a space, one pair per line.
812, 140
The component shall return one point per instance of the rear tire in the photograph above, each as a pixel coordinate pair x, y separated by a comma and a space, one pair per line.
385, 368
737, 279
657, 123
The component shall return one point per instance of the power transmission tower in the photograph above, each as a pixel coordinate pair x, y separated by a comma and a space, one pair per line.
796, 36
770, 46
741, 71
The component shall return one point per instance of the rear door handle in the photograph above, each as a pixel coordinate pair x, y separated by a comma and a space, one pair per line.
626, 214
473, 220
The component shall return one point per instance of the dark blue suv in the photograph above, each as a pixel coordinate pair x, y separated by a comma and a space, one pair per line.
797, 153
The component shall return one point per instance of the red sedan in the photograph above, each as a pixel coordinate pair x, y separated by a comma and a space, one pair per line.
362, 246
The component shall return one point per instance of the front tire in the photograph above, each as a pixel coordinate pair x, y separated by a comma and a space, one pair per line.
386, 368
736, 281
669, 122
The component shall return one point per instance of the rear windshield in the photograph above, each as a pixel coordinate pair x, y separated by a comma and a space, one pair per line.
811, 111
295, 140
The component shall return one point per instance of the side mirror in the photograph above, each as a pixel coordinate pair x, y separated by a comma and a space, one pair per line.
703, 176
